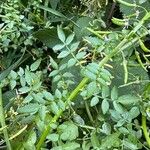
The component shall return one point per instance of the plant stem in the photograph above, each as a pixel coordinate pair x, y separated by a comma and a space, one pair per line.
144, 127
123, 43
88, 111
55, 118
3, 124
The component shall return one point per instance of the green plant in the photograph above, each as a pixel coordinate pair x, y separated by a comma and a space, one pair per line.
75, 84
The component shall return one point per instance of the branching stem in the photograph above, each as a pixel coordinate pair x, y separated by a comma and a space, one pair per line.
144, 127
124, 43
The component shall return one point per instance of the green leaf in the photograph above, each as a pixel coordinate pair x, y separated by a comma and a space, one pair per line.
7, 96
54, 12
71, 146
123, 130
67, 146
93, 67
58, 94
86, 145
106, 72
95, 140
63, 66
56, 78
24, 89
94, 101
110, 141
28, 77
30, 143
54, 3
53, 137
105, 91
115, 115
128, 99
105, 106
61, 34
71, 62
53, 63
69, 131
20, 72
121, 122
54, 107
80, 55
61, 104
29, 108
47, 36
24, 2
6, 72
54, 73
142, 1
64, 136
105, 77
58, 47
134, 112
38, 97
67, 75
74, 46
48, 96
28, 99
94, 41
42, 112
70, 39
35, 65
102, 81
92, 89
106, 128
22, 81
114, 93
13, 84
36, 86
129, 145
28, 120
89, 74
78, 119
13, 74
81, 29
118, 107
63, 54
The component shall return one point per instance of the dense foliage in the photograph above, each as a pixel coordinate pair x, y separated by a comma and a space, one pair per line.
74, 74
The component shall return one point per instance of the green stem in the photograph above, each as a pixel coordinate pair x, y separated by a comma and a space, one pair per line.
73, 55
55, 118
144, 127
123, 43
3, 124
88, 112
45, 12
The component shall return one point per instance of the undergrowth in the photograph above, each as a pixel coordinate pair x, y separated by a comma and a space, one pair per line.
74, 74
